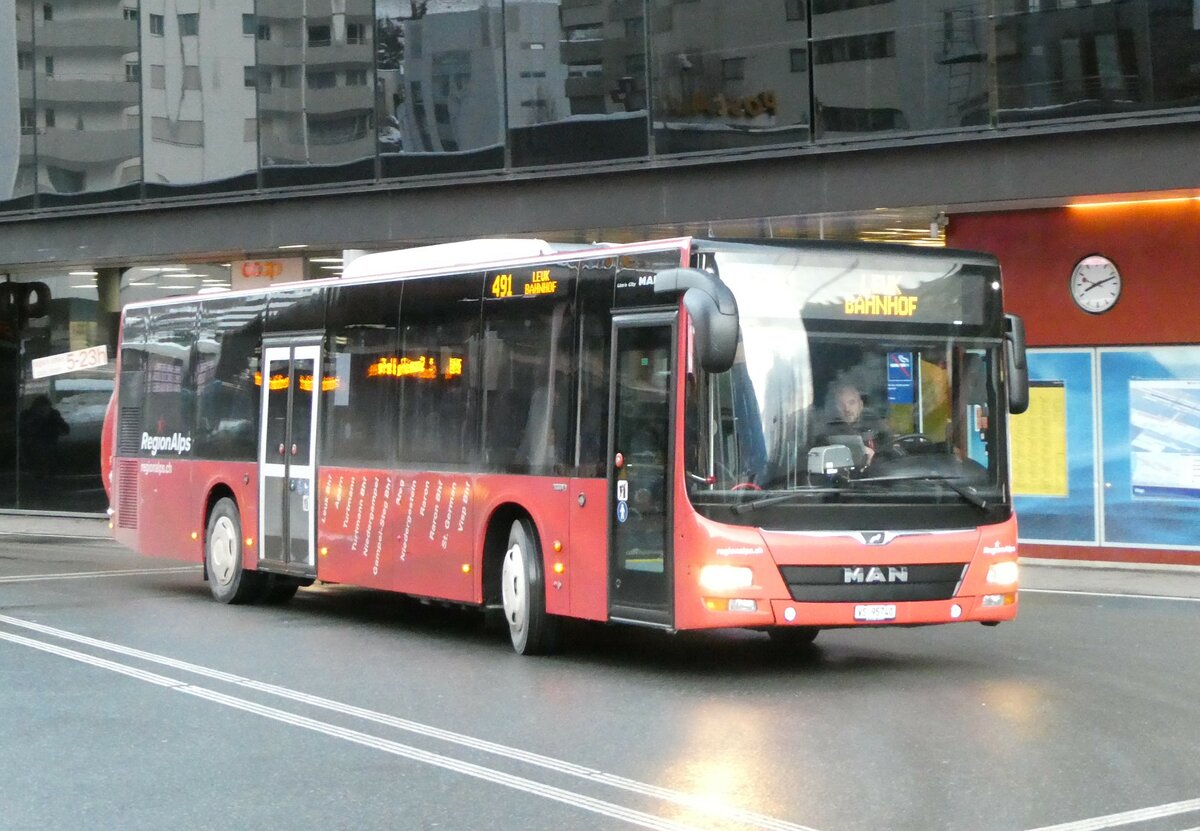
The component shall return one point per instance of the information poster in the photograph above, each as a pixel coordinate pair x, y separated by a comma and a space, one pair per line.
1053, 454
1151, 415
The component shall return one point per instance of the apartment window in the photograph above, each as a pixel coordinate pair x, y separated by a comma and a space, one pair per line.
130, 14
356, 33
793, 9
356, 77
585, 70
635, 28
249, 24
156, 24
249, 76
49, 64
588, 31
133, 72
24, 60
855, 48
47, 11
158, 76
191, 77
177, 132
533, 73
28, 121
322, 80
733, 69
48, 116
189, 24
319, 35
799, 58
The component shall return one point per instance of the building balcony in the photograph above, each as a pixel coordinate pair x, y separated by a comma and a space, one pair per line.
339, 100
342, 152
117, 36
576, 87
112, 90
275, 53
86, 146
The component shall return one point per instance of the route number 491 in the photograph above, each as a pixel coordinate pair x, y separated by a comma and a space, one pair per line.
502, 286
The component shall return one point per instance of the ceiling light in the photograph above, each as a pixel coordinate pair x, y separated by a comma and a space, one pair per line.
325, 259
83, 273
295, 245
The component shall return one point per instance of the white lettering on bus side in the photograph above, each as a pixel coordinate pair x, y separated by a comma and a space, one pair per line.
437, 509
462, 515
424, 498
349, 504
387, 496
325, 499
362, 498
450, 506
371, 517
408, 521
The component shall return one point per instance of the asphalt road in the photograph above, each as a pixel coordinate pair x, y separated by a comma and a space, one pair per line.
130, 700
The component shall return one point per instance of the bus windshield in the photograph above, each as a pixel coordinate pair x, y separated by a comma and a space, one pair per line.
860, 379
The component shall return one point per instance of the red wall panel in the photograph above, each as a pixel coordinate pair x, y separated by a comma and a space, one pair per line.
1156, 246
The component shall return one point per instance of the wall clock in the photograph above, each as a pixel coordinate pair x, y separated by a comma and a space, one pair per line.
1095, 284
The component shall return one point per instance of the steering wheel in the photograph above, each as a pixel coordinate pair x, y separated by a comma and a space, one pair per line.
909, 442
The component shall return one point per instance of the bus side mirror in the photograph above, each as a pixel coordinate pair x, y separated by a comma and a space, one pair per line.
713, 311
1016, 364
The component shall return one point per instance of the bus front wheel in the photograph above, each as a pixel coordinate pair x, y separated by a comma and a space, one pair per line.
227, 579
523, 592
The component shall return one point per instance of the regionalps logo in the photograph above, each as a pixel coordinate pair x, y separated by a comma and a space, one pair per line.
177, 443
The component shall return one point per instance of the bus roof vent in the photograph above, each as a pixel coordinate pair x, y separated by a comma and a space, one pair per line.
447, 255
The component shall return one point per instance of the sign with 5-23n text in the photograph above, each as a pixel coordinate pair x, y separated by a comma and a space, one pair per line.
65, 362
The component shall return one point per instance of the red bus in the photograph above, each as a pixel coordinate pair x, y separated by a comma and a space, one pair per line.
682, 434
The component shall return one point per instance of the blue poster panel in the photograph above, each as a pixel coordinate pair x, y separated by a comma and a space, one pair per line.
1054, 450
1151, 416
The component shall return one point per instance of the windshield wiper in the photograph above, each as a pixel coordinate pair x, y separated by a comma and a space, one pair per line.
967, 492
775, 499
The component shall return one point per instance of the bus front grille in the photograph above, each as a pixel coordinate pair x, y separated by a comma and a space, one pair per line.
872, 584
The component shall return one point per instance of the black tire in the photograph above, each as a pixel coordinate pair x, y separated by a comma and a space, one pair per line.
278, 589
227, 579
523, 591
792, 637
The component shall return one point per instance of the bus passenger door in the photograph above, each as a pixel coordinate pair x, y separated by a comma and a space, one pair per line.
286, 463
640, 561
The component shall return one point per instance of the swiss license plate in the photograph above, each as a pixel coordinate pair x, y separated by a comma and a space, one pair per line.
875, 611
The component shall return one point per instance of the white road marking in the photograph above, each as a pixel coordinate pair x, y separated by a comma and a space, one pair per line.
1126, 817
83, 575
1113, 594
686, 800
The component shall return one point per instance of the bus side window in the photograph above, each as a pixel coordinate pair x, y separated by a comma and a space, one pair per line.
170, 403
595, 340
437, 377
227, 390
529, 397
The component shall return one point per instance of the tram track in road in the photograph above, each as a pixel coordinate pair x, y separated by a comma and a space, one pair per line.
678, 810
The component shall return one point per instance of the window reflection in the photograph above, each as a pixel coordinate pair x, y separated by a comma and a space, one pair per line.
576, 80
315, 111
82, 60
438, 71
199, 127
729, 75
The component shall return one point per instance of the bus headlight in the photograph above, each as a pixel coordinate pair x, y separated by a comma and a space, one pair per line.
726, 578
1003, 574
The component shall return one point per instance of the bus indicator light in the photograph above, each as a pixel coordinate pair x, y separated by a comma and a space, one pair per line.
466, 568
249, 541
559, 568
195, 535
557, 546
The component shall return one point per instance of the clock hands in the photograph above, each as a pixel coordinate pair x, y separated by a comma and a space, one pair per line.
1092, 285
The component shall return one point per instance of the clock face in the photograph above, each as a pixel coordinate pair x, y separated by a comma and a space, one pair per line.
1095, 284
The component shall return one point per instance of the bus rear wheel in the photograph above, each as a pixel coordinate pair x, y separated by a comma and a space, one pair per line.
227, 579
523, 592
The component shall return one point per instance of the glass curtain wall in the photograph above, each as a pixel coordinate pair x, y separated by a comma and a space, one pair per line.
118, 100
439, 75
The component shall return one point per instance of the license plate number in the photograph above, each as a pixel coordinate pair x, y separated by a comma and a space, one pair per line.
875, 611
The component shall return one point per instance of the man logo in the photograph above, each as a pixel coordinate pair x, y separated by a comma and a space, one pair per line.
873, 537
875, 574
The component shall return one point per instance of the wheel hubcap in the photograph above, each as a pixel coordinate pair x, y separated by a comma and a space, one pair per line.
222, 551
512, 578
